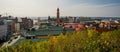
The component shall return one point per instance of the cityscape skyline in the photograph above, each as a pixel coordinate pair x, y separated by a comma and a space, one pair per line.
92, 8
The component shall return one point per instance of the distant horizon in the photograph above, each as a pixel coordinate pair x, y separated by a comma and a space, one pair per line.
62, 16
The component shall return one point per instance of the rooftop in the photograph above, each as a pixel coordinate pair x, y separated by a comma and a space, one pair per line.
52, 30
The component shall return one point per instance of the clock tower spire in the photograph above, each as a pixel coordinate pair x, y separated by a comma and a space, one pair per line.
58, 16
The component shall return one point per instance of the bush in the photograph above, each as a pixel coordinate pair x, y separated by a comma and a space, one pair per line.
80, 41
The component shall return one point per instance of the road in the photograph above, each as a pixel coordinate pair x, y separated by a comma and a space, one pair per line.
11, 41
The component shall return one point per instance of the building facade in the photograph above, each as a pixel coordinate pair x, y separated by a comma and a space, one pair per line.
3, 30
58, 16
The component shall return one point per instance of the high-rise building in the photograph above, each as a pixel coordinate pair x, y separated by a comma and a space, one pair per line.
3, 30
58, 16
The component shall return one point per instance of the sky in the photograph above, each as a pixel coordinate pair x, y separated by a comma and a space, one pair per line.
91, 8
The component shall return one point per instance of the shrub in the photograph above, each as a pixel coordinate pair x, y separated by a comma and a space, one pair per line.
80, 41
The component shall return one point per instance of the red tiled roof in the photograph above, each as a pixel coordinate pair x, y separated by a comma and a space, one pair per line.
103, 29
67, 26
75, 26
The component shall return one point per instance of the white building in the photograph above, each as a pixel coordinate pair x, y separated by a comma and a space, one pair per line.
71, 20
3, 30
17, 26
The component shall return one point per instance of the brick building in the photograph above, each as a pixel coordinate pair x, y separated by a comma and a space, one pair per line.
26, 23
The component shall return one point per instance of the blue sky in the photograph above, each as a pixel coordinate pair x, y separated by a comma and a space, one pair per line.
67, 7
92, 2
99, 1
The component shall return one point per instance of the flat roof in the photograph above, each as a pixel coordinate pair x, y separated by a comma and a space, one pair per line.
54, 30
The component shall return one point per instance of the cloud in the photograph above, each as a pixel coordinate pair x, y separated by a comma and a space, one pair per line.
28, 7
67, 7
92, 10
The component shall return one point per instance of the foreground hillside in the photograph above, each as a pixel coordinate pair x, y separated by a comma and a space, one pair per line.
81, 41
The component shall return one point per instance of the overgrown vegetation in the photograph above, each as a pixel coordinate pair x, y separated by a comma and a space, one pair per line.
80, 41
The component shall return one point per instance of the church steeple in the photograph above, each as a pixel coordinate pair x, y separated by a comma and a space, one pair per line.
58, 16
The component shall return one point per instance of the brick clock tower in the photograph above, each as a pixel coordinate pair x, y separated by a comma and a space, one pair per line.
58, 17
